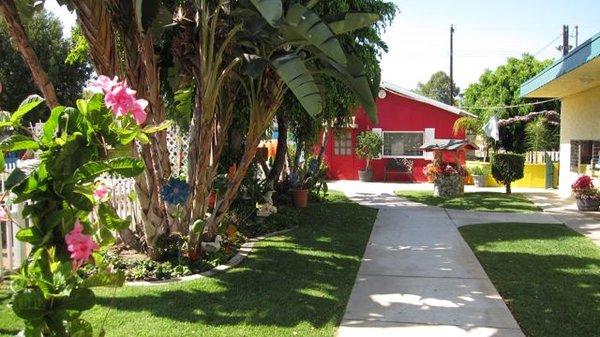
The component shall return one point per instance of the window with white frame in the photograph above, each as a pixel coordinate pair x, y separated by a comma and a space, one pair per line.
402, 144
342, 145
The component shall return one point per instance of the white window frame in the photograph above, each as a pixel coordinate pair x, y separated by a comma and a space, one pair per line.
407, 157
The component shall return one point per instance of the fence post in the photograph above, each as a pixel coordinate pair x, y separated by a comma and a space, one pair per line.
19, 248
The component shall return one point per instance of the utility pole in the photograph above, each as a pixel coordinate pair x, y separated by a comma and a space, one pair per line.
565, 46
576, 36
451, 65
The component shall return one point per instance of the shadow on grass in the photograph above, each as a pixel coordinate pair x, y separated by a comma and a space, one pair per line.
548, 275
303, 277
477, 201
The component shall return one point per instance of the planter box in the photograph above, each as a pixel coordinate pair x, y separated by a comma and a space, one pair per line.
449, 186
479, 181
588, 205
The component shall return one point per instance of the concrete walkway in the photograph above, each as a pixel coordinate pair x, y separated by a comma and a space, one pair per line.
418, 276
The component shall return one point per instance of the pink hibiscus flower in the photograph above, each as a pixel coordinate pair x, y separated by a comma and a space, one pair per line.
80, 245
138, 111
121, 99
104, 83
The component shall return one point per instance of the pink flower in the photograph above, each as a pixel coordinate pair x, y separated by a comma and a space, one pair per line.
80, 245
104, 83
101, 192
121, 99
138, 111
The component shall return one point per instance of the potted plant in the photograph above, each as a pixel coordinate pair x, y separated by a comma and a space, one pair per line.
299, 188
368, 147
586, 195
479, 174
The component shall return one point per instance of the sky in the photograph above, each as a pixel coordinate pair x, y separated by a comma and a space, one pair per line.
487, 32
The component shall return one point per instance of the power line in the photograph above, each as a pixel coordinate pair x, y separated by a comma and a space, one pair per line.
508, 106
549, 44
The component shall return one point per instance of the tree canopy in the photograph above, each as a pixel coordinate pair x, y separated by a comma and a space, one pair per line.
45, 34
438, 88
501, 87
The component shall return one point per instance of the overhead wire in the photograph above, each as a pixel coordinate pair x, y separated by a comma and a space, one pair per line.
508, 106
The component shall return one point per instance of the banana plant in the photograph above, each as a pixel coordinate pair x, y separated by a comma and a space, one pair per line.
287, 48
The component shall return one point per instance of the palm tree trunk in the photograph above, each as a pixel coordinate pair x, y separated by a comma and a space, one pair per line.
17, 31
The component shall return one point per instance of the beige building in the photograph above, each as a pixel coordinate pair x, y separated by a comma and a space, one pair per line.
575, 79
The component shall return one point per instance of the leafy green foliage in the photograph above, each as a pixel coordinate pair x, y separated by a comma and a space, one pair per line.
438, 88
541, 136
501, 87
74, 152
45, 34
507, 167
368, 146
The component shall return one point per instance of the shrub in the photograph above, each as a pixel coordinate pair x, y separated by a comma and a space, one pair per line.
368, 147
477, 169
507, 167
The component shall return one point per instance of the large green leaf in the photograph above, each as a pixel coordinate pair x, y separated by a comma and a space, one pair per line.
271, 10
80, 201
306, 23
16, 177
110, 219
297, 77
25, 107
80, 299
51, 125
126, 167
352, 21
152, 16
29, 304
18, 143
30, 235
90, 171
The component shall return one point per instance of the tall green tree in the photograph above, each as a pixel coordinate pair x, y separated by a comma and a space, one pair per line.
500, 88
221, 51
44, 32
438, 88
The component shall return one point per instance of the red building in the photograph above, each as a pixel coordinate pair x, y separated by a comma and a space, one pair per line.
407, 121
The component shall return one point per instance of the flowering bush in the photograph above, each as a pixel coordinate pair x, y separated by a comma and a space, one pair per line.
60, 192
437, 169
583, 188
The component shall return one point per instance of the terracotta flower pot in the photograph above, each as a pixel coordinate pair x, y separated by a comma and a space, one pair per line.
300, 198
588, 204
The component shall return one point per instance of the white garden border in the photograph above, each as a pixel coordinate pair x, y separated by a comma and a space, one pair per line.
241, 255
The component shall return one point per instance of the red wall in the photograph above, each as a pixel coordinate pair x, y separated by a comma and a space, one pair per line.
396, 113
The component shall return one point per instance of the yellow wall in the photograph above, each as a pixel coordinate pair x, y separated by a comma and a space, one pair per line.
534, 176
580, 120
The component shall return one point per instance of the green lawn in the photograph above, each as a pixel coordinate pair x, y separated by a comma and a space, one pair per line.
549, 276
474, 201
297, 284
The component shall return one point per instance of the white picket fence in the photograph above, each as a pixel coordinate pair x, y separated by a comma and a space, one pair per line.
15, 251
539, 157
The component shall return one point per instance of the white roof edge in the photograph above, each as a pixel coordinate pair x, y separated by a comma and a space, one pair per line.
409, 94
